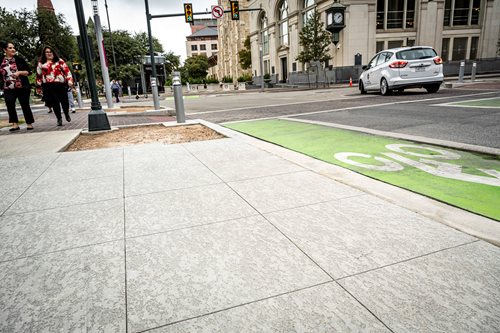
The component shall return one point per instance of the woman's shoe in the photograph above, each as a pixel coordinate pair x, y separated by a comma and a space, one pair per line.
59, 122
13, 129
30, 128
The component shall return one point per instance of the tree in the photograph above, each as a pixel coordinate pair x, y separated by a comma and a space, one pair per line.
246, 55
172, 62
195, 67
142, 39
314, 40
54, 32
30, 30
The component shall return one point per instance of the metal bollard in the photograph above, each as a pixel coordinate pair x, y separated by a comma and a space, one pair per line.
79, 96
178, 99
129, 92
473, 73
462, 71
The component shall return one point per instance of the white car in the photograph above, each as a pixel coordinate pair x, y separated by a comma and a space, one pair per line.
405, 67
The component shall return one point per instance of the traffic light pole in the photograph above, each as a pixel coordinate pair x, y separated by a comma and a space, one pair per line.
154, 87
200, 13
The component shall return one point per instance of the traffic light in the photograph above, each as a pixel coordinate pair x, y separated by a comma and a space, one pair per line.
188, 13
235, 10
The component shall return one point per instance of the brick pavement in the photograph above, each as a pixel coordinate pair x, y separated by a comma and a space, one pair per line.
45, 122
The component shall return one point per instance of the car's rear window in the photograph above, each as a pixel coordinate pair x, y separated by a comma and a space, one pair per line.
414, 54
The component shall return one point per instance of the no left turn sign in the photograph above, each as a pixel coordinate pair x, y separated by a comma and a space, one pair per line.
217, 12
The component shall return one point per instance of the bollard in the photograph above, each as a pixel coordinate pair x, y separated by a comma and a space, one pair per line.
473, 74
129, 92
79, 96
178, 99
462, 71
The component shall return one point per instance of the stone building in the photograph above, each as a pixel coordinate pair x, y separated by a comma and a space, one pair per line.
457, 29
232, 35
203, 41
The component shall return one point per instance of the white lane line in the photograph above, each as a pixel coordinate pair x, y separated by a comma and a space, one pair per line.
354, 108
272, 105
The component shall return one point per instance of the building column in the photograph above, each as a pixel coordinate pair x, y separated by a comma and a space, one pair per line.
430, 19
489, 31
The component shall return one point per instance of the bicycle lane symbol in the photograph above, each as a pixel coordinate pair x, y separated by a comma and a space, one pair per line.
430, 163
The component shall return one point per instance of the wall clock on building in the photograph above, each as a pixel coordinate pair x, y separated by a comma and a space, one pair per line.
338, 18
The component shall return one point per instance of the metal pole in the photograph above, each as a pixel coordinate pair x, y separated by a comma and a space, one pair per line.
98, 119
102, 55
261, 54
461, 72
110, 35
178, 99
154, 88
79, 95
473, 74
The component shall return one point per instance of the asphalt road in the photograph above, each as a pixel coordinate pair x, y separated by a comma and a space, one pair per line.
413, 112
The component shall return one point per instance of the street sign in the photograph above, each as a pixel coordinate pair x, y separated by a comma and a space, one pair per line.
217, 12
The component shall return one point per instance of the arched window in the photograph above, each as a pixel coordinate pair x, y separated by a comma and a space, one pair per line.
264, 34
308, 10
283, 22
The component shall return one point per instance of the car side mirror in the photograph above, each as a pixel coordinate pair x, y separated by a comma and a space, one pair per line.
365, 67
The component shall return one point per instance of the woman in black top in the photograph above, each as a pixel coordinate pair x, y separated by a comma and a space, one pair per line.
14, 73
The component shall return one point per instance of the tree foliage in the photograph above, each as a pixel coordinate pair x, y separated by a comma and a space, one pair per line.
195, 67
246, 55
315, 41
30, 30
54, 32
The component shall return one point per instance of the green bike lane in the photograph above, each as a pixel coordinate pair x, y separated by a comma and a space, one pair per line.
467, 180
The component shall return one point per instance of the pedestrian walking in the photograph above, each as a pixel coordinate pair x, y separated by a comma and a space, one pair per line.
115, 87
14, 72
54, 77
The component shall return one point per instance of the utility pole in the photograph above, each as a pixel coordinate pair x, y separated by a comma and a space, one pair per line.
102, 54
154, 87
98, 119
110, 35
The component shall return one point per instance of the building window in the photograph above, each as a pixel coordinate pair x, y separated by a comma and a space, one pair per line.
264, 35
203, 47
392, 44
410, 42
283, 22
459, 48
445, 49
214, 46
379, 46
194, 47
395, 14
473, 48
266, 66
308, 12
461, 12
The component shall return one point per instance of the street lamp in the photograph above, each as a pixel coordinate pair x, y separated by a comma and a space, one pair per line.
261, 54
98, 119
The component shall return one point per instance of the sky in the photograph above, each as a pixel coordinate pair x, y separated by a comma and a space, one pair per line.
130, 15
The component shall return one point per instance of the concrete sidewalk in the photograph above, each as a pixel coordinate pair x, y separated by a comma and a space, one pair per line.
229, 235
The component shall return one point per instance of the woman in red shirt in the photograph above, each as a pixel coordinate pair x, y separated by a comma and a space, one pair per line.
14, 72
54, 76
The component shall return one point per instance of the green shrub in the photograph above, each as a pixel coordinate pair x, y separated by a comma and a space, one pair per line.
227, 79
267, 76
245, 77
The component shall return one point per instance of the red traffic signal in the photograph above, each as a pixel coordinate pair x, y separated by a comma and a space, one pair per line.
235, 10
188, 13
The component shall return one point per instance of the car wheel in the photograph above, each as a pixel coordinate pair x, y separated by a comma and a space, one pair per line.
384, 87
362, 88
432, 88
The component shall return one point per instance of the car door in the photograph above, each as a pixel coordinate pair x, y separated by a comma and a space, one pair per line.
368, 73
376, 74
